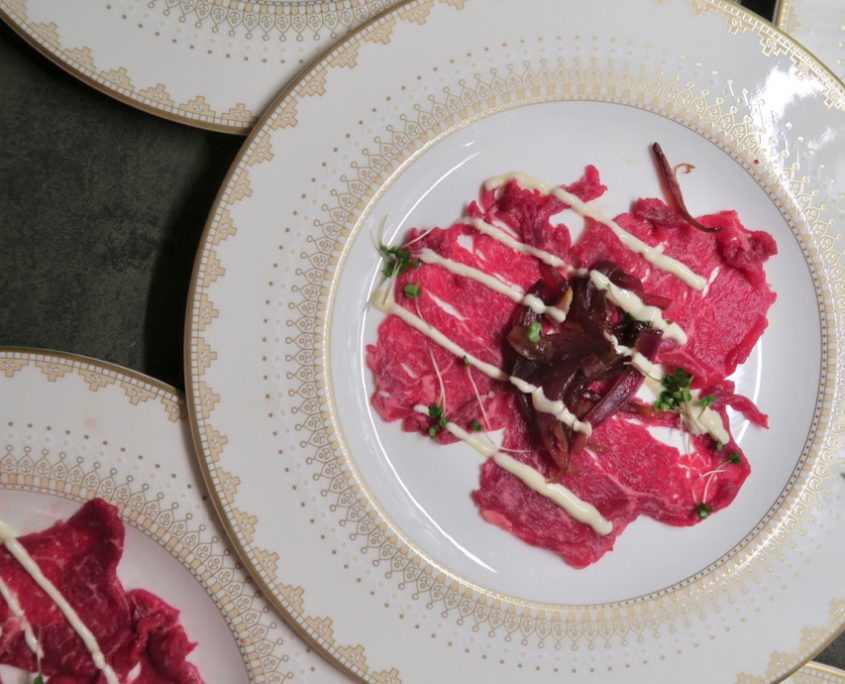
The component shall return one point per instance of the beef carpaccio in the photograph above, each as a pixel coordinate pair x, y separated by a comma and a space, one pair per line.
585, 355
137, 633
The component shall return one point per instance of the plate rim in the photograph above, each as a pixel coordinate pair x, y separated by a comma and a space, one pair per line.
242, 130
191, 332
163, 392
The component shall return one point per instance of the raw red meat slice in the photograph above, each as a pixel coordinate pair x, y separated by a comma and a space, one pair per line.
625, 471
80, 557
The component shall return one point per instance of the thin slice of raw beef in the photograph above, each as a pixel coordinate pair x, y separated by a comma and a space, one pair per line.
80, 557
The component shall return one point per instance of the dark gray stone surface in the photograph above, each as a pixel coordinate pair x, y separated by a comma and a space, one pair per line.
101, 210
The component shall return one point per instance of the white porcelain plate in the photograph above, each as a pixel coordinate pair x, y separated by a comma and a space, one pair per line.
382, 552
819, 25
215, 64
74, 429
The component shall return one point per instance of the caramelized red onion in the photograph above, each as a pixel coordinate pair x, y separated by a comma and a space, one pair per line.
575, 363
670, 180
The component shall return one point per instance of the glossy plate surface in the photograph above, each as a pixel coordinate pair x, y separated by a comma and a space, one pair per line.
382, 547
74, 429
819, 25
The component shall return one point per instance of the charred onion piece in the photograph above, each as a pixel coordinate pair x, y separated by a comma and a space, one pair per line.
670, 178
541, 350
625, 386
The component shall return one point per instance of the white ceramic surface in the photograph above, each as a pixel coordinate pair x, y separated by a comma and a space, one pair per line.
208, 63
819, 25
391, 559
72, 429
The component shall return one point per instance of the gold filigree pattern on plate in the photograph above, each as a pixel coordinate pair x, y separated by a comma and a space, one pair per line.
279, 19
773, 42
79, 478
117, 82
817, 673
787, 18
550, 626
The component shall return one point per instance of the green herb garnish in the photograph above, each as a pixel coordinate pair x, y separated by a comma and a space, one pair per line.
397, 260
466, 361
676, 390
703, 510
412, 290
38, 680
534, 332
719, 445
734, 458
475, 426
704, 402
438, 418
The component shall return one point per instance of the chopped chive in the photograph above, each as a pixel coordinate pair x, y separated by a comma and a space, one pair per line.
466, 360
38, 680
703, 510
412, 290
704, 402
534, 331
432, 432
475, 426
734, 458
435, 411
442, 422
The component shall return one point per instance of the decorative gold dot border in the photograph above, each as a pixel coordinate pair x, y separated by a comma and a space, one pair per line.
82, 478
274, 19
209, 269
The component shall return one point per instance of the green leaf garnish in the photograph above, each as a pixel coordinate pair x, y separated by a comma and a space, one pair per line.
412, 290
475, 426
734, 458
534, 332
703, 510
704, 402
466, 360
397, 260
38, 680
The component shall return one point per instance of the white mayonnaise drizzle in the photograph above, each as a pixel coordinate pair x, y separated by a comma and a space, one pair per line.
565, 498
512, 292
11, 600
501, 236
384, 301
631, 304
20, 554
649, 253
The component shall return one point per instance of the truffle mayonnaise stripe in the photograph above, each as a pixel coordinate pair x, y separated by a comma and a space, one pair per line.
649, 253
15, 607
500, 235
20, 554
631, 304
565, 498
512, 292
541, 402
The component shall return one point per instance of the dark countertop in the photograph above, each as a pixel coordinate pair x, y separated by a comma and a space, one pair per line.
101, 210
